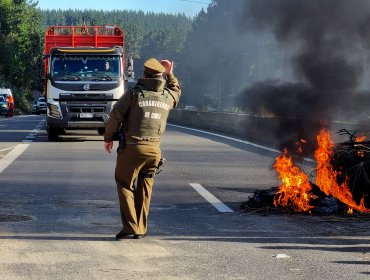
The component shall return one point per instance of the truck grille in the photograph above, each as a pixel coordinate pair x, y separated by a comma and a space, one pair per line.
86, 109
78, 119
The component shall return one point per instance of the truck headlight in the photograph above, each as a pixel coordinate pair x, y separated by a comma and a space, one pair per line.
54, 111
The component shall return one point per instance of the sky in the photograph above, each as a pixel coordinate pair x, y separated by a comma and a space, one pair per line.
189, 7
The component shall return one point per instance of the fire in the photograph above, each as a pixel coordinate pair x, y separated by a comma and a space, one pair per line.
294, 192
326, 175
360, 139
295, 189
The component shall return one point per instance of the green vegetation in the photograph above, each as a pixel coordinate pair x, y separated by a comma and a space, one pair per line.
209, 50
21, 47
22, 27
146, 34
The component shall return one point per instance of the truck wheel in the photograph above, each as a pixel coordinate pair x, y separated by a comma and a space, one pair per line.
101, 130
53, 134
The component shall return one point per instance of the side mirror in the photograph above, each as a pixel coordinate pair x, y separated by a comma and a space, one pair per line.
130, 69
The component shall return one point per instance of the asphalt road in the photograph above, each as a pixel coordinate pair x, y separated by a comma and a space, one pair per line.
59, 214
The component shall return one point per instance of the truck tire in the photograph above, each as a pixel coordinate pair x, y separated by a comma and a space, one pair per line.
101, 130
53, 134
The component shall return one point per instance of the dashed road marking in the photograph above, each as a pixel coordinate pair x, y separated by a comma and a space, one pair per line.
12, 156
32, 135
6, 149
17, 150
218, 204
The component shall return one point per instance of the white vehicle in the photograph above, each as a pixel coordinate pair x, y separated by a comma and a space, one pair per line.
39, 106
191, 108
34, 104
6, 93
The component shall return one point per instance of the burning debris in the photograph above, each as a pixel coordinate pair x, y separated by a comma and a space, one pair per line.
342, 183
352, 162
330, 40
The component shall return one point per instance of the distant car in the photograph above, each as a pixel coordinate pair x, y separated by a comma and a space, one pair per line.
3, 106
41, 106
6, 93
34, 105
211, 109
190, 108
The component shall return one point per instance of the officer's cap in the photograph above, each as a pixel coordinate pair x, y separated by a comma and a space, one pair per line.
153, 67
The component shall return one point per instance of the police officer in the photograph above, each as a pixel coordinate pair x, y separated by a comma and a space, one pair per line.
141, 114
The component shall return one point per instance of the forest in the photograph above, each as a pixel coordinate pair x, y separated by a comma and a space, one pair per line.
235, 56
209, 50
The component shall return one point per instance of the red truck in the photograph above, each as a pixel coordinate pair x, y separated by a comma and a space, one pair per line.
84, 70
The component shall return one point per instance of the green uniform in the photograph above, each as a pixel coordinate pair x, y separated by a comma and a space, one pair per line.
142, 113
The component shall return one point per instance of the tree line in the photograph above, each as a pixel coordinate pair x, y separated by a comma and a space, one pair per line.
214, 57
21, 47
22, 26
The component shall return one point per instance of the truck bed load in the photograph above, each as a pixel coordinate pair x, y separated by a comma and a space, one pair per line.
83, 36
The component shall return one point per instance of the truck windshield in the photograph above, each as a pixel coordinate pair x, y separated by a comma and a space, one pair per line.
86, 68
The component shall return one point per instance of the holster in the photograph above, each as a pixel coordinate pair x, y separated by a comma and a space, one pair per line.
152, 174
121, 141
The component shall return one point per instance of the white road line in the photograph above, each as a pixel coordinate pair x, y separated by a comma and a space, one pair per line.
234, 139
229, 138
221, 207
33, 134
12, 156
3, 150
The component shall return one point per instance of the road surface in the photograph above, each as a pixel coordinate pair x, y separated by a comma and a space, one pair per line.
59, 214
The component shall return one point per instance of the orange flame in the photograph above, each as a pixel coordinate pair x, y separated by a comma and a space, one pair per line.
294, 192
295, 189
326, 175
360, 139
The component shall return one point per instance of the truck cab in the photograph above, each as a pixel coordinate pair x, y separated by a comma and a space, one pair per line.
84, 77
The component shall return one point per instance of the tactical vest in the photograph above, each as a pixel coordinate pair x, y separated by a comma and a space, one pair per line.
148, 113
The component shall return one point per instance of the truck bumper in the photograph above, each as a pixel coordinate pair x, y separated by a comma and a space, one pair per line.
79, 114
75, 121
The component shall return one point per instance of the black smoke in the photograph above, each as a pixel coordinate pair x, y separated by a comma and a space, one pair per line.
332, 40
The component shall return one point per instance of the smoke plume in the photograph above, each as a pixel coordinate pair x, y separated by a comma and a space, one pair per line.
331, 39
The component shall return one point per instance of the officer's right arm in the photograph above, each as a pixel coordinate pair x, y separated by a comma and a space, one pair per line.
174, 87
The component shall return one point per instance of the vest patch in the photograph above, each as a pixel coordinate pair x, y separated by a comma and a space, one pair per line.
153, 115
153, 103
